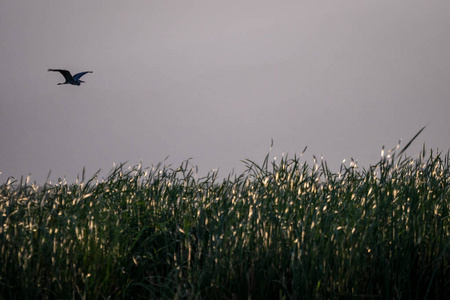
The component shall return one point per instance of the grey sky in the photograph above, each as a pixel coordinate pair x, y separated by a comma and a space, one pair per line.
217, 80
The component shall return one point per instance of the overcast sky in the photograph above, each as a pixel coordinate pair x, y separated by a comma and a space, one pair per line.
215, 81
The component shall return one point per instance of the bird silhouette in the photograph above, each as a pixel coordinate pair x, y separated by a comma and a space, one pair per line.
74, 80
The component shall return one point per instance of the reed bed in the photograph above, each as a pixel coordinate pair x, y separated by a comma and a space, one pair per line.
283, 229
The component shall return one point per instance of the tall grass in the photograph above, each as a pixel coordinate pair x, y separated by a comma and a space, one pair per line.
283, 229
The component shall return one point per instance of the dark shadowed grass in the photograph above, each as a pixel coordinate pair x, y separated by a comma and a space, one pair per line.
280, 230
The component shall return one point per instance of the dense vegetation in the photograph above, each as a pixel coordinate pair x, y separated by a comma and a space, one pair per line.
281, 230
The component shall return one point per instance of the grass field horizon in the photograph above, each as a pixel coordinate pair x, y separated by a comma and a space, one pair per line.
282, 229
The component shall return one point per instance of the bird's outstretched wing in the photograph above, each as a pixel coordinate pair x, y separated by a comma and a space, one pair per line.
64, 73
78, 76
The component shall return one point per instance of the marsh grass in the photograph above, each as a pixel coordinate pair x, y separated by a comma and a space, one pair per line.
281, 230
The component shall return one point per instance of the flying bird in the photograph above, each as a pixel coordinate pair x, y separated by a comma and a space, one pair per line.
74, 80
